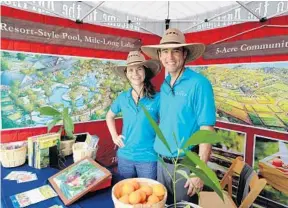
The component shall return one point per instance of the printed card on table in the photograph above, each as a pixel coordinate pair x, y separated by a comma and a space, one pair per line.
33, 196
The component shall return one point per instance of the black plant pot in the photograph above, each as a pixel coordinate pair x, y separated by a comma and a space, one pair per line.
79, 137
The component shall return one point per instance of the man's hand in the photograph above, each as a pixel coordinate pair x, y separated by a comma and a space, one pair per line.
193, 185
118, 140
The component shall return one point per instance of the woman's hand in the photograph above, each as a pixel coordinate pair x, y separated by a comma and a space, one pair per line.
118, 140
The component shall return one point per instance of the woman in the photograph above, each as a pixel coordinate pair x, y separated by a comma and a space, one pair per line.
136, 156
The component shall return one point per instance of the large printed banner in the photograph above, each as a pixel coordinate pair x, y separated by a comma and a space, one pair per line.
29, 81
16, 29
250, 94
253, 47
234, 144
271, 161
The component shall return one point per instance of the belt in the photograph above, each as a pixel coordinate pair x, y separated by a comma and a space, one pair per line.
170, 160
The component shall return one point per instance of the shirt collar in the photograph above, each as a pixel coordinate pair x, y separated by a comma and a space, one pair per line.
129, 93
185, 75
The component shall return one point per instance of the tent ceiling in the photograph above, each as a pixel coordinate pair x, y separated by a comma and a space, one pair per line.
161, 10
151, 16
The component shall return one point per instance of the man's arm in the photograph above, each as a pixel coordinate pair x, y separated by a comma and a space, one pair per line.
194, 184
205, 149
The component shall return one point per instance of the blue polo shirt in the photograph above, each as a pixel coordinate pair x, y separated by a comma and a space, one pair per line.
139, 134
182, 114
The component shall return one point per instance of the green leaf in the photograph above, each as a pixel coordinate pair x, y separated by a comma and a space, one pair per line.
49, 111
60, 130
203, 136
187, 206
194, 158
51, 124
156, 128
183, 173
68, 123
175, 139
70, 134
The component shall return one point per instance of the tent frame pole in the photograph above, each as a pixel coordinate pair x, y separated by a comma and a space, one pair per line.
89, 12
129, 21
177, 21
249, 10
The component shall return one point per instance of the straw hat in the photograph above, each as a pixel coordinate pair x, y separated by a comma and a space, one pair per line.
135, 58
174, 38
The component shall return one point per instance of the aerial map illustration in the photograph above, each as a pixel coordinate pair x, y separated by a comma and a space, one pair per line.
29, 81
253, 94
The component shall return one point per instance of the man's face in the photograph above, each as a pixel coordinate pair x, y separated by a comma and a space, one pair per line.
172, 58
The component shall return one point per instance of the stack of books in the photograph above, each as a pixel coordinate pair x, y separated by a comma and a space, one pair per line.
43, 150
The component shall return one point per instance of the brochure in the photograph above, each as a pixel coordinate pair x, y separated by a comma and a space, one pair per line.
33, 196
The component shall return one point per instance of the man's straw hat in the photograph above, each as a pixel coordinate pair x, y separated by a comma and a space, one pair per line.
135, 58
174, 38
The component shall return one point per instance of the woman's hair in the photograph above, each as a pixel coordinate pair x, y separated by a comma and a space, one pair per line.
149, 90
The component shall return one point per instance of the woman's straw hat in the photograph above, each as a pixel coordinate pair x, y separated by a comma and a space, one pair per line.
135, 58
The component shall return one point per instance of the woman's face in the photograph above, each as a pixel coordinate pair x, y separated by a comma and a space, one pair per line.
136, 75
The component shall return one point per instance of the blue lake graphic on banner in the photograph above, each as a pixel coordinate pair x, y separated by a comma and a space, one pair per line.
29, 81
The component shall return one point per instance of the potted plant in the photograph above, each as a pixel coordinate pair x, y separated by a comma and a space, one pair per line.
66, 130
191, 160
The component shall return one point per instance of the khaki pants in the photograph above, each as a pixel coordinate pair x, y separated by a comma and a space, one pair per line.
181, 192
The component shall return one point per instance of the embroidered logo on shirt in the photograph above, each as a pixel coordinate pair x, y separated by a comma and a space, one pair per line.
149, 108
181, 93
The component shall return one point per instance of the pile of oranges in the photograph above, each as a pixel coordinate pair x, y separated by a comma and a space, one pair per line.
133, 192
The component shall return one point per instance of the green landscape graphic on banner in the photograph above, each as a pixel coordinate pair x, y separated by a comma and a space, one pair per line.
271, 162
233, 145
29, 81
250, 94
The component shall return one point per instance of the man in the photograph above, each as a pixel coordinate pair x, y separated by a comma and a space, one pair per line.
186, 105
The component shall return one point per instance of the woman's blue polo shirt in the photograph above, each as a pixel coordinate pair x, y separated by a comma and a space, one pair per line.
139, 134
182, 114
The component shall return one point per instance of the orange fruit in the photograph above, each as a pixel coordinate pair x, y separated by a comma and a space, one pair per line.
149, 203
158, 189
135, 184
134, 197
127, 188
147, 189
160, 198
124, 199
142, 194
153, 199
118, 191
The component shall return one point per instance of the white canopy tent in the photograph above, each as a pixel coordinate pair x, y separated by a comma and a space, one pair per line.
154, 16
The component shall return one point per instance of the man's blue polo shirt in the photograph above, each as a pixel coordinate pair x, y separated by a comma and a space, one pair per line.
182, 114
139, 134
